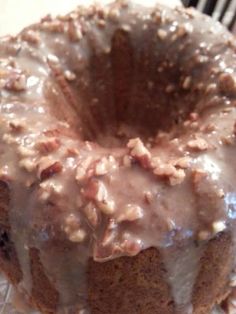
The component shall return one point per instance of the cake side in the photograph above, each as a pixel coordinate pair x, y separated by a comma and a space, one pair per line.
117, 164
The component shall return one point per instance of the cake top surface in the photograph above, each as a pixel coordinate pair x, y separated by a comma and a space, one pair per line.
118, 130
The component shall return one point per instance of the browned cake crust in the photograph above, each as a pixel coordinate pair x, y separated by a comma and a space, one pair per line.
212, 281
8, 261
138, 284
43, 294
117, 172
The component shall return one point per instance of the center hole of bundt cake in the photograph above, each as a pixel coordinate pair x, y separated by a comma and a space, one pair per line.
131, 93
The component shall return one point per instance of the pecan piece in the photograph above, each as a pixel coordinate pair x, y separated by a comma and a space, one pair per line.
48, 172
91, 214
48, 146
139, 152
130, 212
16, 82
31, 37
198, 144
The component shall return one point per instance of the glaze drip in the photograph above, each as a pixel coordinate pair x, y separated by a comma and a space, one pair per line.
117, 136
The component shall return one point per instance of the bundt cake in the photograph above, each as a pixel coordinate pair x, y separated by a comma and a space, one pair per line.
117, 169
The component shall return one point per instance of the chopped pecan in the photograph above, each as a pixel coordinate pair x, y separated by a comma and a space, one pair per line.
91, 214
73, 229
17, 82
77, 235
194, 116
162, 34
107, 206
74, 31
209, 128
204, 235
101, 23
17, 126
114, 14
31, 36
183, 162
232, 282
51, 170
48, 146
72, 152
55, 26
105, 165
91, 190
148, 197
81, 171
198, 144
28, 164
227, 140
139, 152
130, 246
52, 132
69, 76
184, 29
210, 88
218, 226
130, 212
187, 82
96, 191
25, 151
8, 138
110, 233
175, 176
227, 83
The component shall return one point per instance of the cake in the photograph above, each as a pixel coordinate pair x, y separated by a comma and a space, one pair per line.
117, 171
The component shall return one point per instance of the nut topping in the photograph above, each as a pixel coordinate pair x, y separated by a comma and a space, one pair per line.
50, 170
25, 152
227, 83
162, 34
73, 229
16, 82
167, 170
110, 233
48, 146
183, 162
130, 245
27, 164
107, 206
77, 236
31, 36
198, 144
105, 165
96, 191
218, 226
74, 32
17, 126
187, 82
69, 76
91, 214
139, 151
81, 171
130, 212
